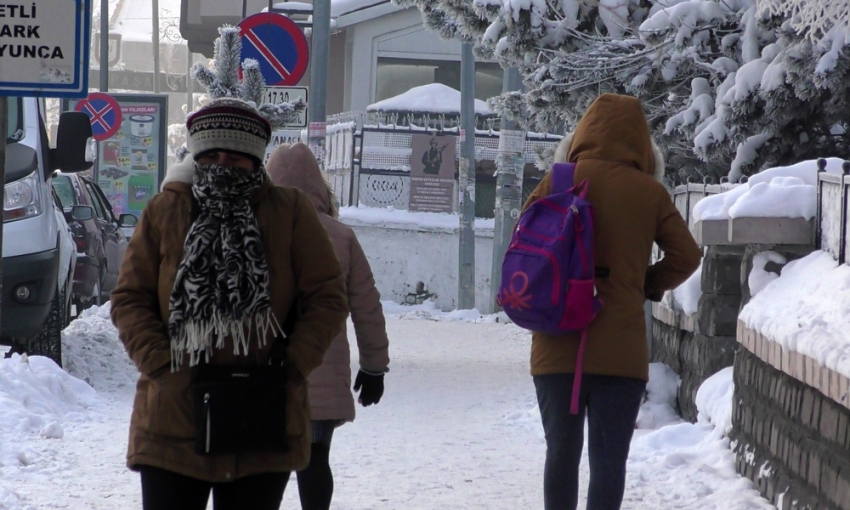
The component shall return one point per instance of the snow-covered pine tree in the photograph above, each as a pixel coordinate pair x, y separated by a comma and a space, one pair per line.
724, 84
223, 80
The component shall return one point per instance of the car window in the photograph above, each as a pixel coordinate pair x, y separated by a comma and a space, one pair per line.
98, 207
104, 202
64, 190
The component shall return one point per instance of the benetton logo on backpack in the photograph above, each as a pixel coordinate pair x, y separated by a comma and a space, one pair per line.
548, 270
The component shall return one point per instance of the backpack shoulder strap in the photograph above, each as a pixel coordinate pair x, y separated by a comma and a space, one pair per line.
563, 177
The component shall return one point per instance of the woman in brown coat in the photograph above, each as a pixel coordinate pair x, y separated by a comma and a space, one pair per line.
613, 151
330, 399
218, 260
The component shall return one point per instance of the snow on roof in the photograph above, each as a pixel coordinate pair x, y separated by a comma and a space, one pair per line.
434, 98
781, 192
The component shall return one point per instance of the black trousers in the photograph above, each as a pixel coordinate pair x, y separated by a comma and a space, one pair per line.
166, 490
611, 405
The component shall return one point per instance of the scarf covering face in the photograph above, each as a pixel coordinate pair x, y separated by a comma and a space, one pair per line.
221, 286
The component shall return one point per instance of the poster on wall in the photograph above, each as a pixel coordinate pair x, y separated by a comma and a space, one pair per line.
432, 173
131, 163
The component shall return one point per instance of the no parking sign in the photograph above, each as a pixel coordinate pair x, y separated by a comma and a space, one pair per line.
278, 44
104, 112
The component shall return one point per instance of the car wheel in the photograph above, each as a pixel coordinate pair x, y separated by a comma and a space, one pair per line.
49, 341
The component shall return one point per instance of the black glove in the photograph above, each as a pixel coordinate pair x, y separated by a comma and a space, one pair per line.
373, 387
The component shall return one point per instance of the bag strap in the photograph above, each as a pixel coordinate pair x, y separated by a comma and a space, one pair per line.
563, 177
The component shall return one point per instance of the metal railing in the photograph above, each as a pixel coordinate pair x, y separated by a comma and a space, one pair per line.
833, 199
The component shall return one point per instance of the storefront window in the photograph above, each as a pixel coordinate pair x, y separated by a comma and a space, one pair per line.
398, 75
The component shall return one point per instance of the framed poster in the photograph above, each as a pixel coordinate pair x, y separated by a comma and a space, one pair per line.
432, 173
131, 163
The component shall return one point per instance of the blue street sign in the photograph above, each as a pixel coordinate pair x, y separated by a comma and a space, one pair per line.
104, 112
278, 44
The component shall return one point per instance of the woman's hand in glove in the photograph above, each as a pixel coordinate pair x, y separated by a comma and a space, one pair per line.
372, 387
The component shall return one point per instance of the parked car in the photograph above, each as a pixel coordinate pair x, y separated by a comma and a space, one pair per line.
38, 254
98, 234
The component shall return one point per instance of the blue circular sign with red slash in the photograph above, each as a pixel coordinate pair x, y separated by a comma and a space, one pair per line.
278, 44
104, 112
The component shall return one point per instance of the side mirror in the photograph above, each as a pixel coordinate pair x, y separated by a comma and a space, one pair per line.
72, 143
81, 213
127, 220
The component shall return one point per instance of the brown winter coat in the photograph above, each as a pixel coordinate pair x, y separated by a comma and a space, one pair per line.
302, 265
330, 396
613, 151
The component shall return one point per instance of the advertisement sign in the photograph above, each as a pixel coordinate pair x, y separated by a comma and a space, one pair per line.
432, 173
44, 48
131, 163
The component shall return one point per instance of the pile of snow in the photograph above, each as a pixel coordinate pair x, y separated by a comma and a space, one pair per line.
433, 98
781, 192
759, 277
659, 408
429, 310
805, 310
389, 217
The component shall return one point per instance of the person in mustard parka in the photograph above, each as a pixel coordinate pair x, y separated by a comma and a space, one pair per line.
222, 249
613, 151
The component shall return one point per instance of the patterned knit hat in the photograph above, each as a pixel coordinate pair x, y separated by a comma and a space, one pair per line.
228, 124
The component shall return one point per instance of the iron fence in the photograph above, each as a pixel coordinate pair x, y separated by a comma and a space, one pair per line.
833, 199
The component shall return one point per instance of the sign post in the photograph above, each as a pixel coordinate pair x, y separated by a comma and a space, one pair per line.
46, 53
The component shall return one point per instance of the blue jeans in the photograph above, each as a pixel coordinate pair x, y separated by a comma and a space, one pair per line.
611, 405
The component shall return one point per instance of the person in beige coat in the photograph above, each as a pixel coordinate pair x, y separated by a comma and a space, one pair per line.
221, 250
331, 401
613, 151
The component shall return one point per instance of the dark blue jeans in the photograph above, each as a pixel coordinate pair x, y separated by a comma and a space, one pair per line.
611, 405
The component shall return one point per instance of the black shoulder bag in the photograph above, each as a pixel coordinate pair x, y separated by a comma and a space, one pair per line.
242, 409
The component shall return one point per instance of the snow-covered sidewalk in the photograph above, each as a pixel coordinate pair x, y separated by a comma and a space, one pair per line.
458, 428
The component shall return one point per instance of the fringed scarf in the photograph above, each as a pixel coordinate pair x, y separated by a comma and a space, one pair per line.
222, 284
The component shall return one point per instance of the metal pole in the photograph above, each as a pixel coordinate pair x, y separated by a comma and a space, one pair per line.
104, 46
3, 123
190, 86
244, 9
508, 188
319, 51
466, 188
155, 41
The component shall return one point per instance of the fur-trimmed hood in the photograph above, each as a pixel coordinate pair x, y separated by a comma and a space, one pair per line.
614, 128
180, 172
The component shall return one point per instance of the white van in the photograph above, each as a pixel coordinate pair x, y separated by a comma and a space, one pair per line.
38, 260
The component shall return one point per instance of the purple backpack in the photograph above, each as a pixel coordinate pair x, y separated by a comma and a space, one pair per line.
548, 273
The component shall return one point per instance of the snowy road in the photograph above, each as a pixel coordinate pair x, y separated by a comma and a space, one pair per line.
457, 429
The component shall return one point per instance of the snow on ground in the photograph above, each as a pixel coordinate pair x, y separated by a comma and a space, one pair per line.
391, 217
458, 427
805, 310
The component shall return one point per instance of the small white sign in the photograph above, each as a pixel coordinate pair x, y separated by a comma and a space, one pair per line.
317, 129
511, 141
284, 136
44, 48
278, 95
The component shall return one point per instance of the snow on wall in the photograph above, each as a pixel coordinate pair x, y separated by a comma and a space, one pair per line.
404, 248
805, 310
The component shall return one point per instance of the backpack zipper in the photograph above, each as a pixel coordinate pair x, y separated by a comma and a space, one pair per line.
207, 412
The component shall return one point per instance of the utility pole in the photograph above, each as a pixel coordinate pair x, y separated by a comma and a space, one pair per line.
155, 41
190, 85
104, 46
321, 34
510, 163
466, 182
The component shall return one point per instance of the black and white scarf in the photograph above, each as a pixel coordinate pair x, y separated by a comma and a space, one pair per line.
222, 284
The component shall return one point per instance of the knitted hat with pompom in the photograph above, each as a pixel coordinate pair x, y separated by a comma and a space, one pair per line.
228, 124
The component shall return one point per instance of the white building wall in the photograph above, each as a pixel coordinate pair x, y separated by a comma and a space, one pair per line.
401, 35
402, 256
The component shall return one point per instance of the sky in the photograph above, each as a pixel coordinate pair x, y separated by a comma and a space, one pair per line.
458, 427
